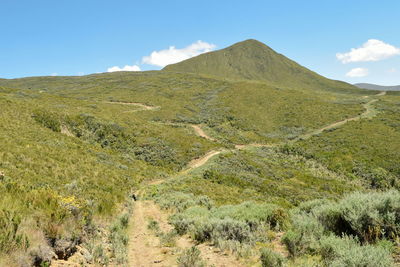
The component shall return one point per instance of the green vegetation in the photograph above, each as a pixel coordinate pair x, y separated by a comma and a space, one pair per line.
368, 150
73, 151
270, 258
263, 174
191, 258
349, 232
253, 60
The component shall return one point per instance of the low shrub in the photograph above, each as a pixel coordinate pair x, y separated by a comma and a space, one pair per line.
10, 238
182, 201
245, 223
254, 214
48, 119
191, 258
270, 258
167, 239
347, 251
119, 239
369, 216
304, 236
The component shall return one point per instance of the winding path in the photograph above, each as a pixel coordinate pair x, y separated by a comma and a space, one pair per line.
144, 247
137, 104
368, 113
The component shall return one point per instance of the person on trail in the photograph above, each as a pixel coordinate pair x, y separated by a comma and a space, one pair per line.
134, 197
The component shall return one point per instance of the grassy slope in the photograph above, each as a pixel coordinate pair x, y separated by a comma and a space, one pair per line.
238, 112
261, 175
368, 148
96, 178
253, 60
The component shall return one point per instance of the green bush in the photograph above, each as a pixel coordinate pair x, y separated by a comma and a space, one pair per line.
347, 251
48, 119
369, 216
182, 201
191, 258
244, 223
270, 258
229, 229
167, 239
304, 236
10, 238
254, 214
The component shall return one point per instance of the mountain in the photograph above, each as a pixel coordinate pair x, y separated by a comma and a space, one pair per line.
371, 86
217, 154
253, 60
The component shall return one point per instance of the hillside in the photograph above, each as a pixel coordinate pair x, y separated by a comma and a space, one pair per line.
371, 86
160, 167
253, 60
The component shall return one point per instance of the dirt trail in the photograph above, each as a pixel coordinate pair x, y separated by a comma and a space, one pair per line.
145, 249
200, 132
196, 163
140, 105
144, 246
368, 113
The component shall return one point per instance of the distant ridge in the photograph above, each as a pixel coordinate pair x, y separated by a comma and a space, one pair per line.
253, 60
371, 86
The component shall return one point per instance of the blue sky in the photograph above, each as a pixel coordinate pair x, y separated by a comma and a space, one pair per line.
68, 37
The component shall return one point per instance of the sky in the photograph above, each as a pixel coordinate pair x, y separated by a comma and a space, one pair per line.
354, 41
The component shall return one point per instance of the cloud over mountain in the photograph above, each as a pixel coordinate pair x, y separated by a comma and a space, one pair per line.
357, 72
125, 68
172, 55
372, 50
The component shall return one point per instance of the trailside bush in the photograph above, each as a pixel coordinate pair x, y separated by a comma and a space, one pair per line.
304, 236
369, 216
191, 258
230, 229
270, 258
347, 251
181, 201
372, 216
242, 223
254, 214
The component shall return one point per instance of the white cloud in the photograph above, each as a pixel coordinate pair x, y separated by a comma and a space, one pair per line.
392, 70
125, 68
54, 74
357, 72
372, 50
172, 55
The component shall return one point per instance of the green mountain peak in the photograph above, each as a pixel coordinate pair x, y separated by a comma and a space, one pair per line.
253, 60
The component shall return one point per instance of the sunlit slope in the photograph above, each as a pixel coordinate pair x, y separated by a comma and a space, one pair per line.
253, 60
239, 112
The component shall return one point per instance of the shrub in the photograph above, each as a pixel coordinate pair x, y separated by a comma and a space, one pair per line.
305, 235
182, 201
10, 238
347, 251
167, 239
48, 119
119, 238
372, 216
369, 216
153, 225
191, 258
270, 258
124, 220
254, 214
229, 229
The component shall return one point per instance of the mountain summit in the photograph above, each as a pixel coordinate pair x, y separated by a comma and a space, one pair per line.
253, 60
